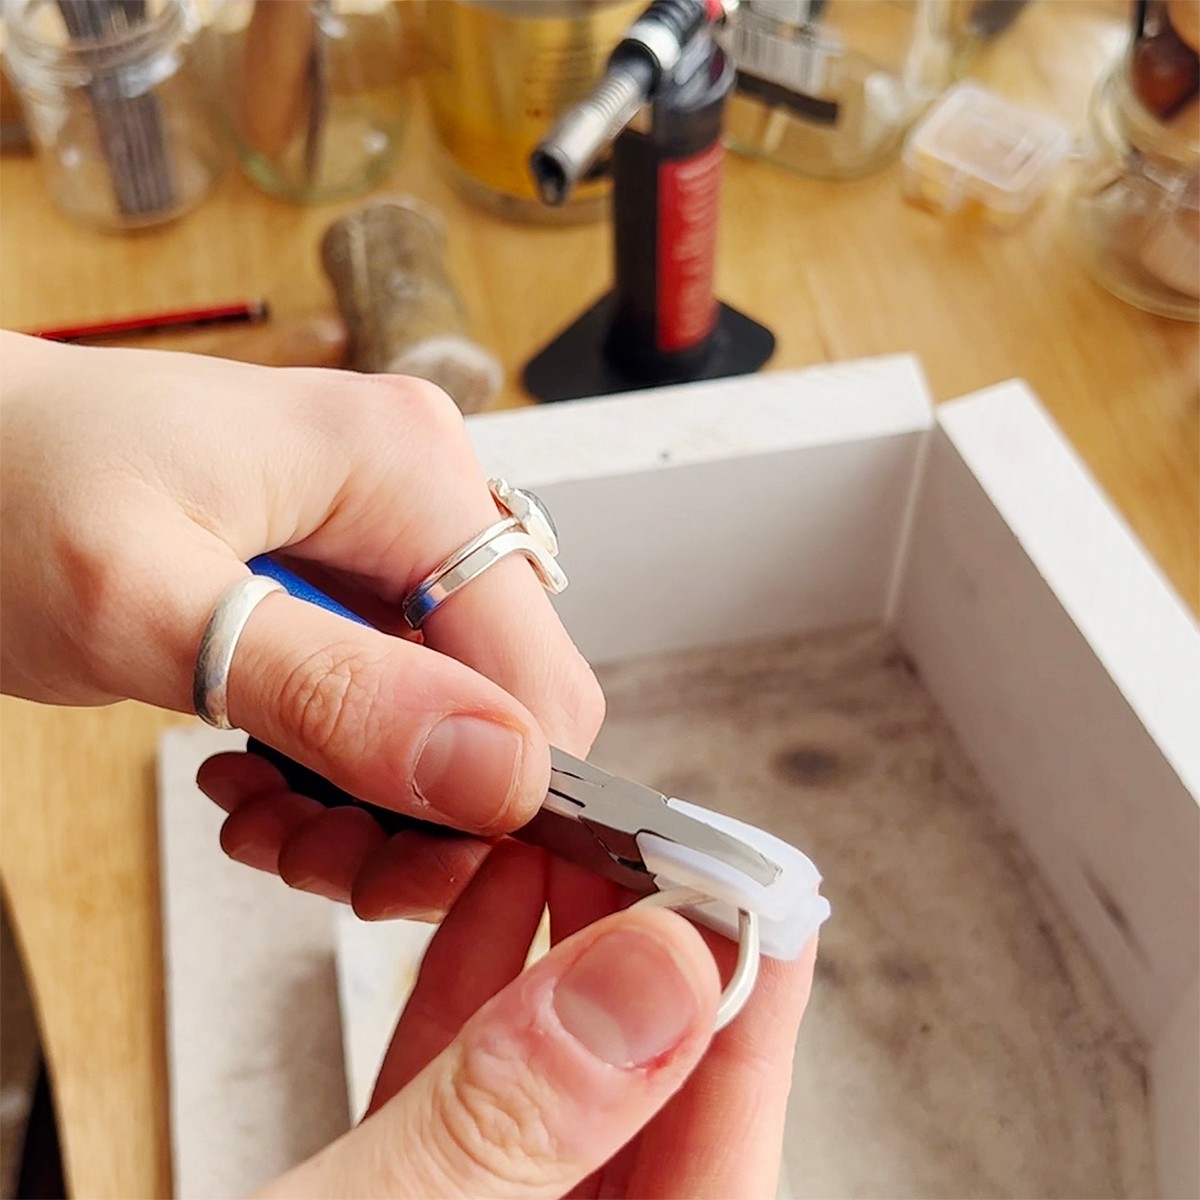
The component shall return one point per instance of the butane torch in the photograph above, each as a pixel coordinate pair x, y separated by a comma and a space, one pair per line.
659, 105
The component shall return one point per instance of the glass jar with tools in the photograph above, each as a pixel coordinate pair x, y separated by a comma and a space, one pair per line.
314, 93
114, 106
1137, 198
829, 87
500, 73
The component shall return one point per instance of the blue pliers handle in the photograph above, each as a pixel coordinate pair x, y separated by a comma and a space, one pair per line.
300, 778
291, 583
589, 817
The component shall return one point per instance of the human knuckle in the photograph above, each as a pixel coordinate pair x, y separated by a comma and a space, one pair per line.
94, 568
418, 405
318, 403
88, 569
496, 1117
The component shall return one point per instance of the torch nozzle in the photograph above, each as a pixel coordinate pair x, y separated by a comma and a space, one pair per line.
647, 54
570, 148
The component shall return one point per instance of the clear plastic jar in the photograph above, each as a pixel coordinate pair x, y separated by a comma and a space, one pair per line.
314, 93
114, 106
1137, 202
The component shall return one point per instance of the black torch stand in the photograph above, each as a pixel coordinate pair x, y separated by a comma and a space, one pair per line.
576, 364
660, 324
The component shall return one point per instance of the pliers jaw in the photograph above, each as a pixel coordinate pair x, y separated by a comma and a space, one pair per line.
594, 819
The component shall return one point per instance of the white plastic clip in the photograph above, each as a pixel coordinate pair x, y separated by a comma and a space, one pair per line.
789, 909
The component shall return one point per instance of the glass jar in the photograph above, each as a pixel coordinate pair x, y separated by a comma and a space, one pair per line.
114, 106
829, 87
1137, 202
313, 94
500, 73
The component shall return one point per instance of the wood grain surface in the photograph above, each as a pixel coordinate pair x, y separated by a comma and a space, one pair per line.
839, 270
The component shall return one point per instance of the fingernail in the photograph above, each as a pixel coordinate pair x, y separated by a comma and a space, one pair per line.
321, 887
626, 1000
255, 854
224, 793
467, 770
405, 912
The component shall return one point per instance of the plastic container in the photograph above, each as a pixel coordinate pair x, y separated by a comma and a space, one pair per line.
982, 158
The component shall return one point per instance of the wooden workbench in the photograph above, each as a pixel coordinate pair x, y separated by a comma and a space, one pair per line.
839, 270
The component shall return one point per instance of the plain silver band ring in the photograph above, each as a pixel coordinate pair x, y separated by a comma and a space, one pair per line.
416, 606
492, 531
210, 683
745, 972
470, 561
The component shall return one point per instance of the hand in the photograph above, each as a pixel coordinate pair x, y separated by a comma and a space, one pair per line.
136, 485
582, 1076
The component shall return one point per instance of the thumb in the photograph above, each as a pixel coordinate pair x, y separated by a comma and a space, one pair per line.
547, 1081
388, 720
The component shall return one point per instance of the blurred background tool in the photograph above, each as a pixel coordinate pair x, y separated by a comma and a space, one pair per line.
112, 101
314, 94
242, 312
284, 82
500, 72
1137, 198
14, 133
661, 99
314, 340
387, 264
30, 1160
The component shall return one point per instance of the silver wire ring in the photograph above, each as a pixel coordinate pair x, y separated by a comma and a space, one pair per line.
524, 528
745, 971
210, 681
455, 571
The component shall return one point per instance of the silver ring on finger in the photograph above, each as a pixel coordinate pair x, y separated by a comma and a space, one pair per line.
210, 680
525, 528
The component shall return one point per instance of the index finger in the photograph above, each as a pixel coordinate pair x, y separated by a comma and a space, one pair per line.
504, 626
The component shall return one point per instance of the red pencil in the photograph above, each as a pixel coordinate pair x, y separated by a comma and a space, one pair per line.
245, 312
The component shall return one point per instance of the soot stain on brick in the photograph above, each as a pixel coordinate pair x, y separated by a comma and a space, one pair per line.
811, 766
830, 971
1114, 912
903, 970
897, 660
686, 785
